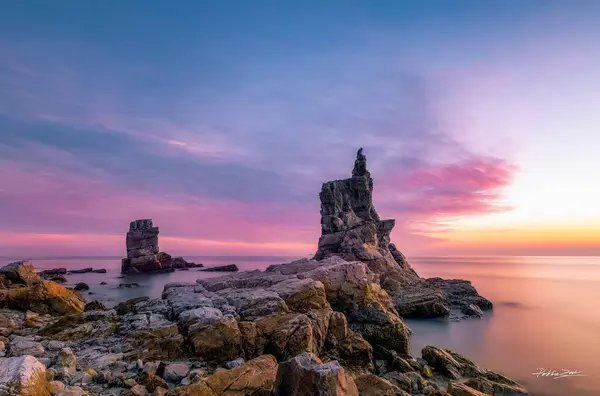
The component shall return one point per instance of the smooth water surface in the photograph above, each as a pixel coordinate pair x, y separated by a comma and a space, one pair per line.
546, 315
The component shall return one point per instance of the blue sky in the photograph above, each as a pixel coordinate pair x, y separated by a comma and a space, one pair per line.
220, 120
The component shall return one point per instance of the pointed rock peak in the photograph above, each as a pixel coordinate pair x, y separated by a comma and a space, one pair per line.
360, 164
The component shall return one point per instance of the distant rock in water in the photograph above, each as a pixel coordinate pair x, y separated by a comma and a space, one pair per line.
53, 272
143, 254
81, 271
222, 268
81, 287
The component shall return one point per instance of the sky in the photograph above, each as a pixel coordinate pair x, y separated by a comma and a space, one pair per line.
220, 120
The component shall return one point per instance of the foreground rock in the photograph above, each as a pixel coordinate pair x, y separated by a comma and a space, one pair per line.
19, 272
325, 323
43, 297
306, 375
23, 375
256, 377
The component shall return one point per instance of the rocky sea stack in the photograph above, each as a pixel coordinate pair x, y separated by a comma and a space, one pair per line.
143, 254
352, 230
351, 227
328, 326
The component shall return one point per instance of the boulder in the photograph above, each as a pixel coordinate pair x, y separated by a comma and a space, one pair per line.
492, 383
129, 305
251, 304
152, 381
58, 279
43, 297
301, 295
451, 364
175, 372
23, 375
256, 377
351, 288
94, 306
21, 272
306, 375
234, 363
214, 336
81, 287
401, 380
471, 310
458, 389
66, 364
23, 346
372, 385
418, 302
179, 262
137, 390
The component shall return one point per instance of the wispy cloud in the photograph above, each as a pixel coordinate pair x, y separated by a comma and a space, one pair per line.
235, 155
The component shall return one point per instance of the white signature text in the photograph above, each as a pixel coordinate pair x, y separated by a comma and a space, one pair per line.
555, 374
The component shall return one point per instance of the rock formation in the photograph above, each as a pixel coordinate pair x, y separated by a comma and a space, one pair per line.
22, 288
20, 272
143, 254
303, 328
351, 227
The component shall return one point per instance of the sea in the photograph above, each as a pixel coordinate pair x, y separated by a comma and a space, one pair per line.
546, 313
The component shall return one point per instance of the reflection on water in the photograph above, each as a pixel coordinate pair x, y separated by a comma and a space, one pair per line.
546, 315
546, 312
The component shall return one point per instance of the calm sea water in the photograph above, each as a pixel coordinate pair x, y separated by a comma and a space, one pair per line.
547, 311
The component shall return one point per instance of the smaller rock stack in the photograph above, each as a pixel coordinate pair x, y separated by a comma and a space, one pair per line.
143, 254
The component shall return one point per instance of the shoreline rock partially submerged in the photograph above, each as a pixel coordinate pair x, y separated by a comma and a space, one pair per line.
330, 325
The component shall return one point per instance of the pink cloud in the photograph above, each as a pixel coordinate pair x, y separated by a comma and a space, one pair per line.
435, 192
44, 208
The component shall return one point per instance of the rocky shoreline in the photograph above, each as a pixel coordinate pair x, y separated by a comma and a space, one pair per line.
331, 325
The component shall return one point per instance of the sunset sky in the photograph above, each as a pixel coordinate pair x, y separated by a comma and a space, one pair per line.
221, 119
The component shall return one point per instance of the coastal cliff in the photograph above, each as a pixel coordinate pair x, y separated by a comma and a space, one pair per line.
332, 325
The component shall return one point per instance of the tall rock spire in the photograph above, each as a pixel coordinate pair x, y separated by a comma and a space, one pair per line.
350, 225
